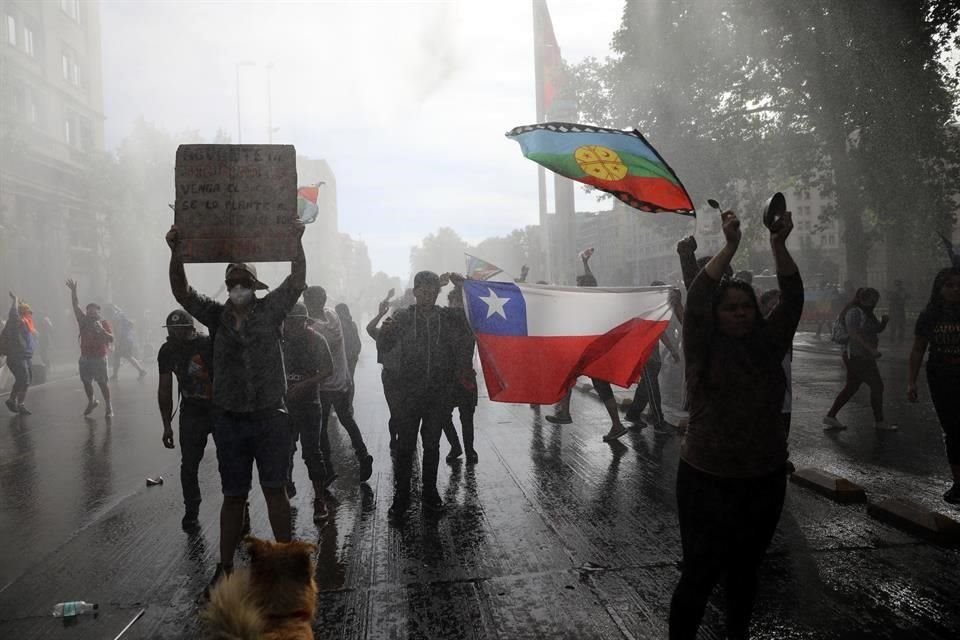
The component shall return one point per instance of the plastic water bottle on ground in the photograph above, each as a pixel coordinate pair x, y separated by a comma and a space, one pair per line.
73, 608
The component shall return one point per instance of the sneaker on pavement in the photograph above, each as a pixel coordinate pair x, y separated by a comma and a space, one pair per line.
218, 575
190, 522
24, 411
563, 418
455, 452
952, 496
91, 405
885, 426
320, 513
398, 509
12, 405
831, 424
472, 457
432, 502
366, 467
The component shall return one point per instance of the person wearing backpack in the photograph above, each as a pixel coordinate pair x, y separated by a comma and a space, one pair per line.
860, 356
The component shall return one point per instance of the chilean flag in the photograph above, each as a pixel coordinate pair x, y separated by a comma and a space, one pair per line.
535, 340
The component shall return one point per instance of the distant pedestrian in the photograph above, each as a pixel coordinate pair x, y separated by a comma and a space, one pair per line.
731, 481
307, 361
351, 344
648, 387
425, 336
19, 341
897, 304
464, 392
861, 352
96, 337
123, 347
391, 373
335, 388
188, 356
604, 391
938, 328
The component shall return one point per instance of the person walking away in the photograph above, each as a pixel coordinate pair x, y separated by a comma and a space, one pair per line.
604, 391
188, 356
897, 303
648, 388
730, 480
20, 341
251, 423
123, 346
424, 336
863, 329
334, 389
96, 336
308, 362
351, 344
464, 391
391, 373
938, 329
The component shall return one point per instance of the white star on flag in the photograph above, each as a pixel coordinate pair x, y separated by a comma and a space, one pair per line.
495, 304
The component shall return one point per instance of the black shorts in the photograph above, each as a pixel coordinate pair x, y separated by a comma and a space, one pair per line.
242, 439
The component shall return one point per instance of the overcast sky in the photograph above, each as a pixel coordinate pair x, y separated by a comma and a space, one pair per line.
408, 101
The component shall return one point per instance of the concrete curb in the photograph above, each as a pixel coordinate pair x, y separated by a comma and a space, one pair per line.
827, 484
830, 485
917, 520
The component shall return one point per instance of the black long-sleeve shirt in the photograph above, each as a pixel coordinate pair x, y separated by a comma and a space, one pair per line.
736, 385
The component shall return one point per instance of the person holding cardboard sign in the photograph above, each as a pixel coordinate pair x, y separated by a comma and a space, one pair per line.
249, 388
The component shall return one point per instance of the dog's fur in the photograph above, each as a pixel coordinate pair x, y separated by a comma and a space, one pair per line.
275, 598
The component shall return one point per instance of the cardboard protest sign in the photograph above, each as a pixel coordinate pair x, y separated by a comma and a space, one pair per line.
236, 202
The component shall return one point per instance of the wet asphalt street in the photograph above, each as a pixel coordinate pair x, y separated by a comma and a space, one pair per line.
554, 534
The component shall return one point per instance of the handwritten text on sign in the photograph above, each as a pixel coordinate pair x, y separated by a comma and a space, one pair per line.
236, 202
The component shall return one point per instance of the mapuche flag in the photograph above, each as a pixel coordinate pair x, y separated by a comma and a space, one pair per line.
621, 163
307, 207
535, 340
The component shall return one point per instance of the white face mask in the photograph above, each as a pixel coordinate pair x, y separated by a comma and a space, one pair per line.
241, 296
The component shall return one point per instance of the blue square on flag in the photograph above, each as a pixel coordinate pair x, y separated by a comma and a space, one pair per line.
496, 308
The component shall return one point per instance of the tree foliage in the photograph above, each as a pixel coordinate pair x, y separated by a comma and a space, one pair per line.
848, 96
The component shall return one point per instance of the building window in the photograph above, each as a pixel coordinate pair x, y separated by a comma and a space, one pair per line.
30, 104
11, 30
71, 8
68, 134
70, 68
28, 41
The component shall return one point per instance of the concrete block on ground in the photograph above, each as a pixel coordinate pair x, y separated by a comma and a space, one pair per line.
916, 519
830, 485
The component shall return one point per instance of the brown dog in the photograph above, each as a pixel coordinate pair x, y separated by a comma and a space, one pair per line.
275, 598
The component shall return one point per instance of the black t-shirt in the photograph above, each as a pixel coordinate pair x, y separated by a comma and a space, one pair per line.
192, 362
942, 331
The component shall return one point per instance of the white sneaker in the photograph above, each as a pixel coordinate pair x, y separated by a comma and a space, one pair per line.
883, 426
109, 412
91, 405
832, 424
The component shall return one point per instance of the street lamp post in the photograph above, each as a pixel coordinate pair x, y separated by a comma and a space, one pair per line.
242, 63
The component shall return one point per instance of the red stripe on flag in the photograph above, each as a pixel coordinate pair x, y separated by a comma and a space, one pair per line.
541, 369
654, 190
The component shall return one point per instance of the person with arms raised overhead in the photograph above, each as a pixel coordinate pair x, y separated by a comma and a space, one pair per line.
96, 336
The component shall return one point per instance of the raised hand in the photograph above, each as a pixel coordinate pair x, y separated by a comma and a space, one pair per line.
72, 285
731, 227
783, 228
173, 237
687, 245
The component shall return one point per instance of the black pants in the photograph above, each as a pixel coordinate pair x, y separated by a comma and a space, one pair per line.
648, 391
305, 425
426, 417
726, 525
21, 368
339, 401
944, 385
860, 371
196, 424
393, 393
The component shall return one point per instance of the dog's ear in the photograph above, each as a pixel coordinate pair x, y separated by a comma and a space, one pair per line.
254, 546
304, 558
